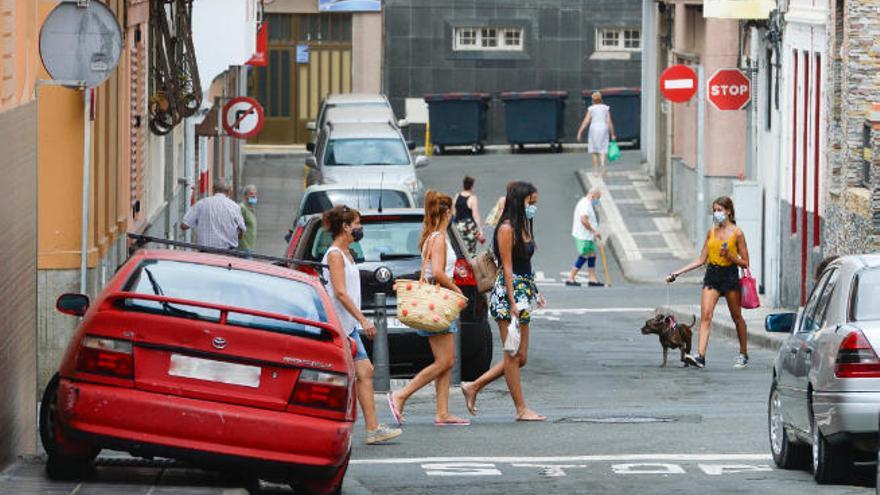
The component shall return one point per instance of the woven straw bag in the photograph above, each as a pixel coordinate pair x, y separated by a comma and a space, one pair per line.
426, 306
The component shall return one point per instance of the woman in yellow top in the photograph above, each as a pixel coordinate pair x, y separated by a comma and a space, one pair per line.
724, 253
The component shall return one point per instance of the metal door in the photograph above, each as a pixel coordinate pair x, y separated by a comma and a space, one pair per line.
309, 57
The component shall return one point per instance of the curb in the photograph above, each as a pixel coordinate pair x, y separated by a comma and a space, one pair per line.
726, 329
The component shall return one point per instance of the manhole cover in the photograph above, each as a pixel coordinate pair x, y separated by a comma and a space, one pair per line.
619, 420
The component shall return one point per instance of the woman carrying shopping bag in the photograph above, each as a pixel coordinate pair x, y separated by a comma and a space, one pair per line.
344, 288
513, 297
724, 253
598, 120
439, 259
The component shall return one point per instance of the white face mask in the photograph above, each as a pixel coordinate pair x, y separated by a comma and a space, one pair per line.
719, 217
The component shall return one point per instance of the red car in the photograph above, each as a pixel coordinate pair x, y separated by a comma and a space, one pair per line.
222, 362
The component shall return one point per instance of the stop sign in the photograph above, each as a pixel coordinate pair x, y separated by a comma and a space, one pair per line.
678, 83
729, 89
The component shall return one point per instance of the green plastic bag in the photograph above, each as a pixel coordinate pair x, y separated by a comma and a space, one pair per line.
613, 151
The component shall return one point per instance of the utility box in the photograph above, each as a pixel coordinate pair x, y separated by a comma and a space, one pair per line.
748, 201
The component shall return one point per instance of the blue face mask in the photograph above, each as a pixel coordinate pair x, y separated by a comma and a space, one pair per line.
252, 200
595, 203
531, 211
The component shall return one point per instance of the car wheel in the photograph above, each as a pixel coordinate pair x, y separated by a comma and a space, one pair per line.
830, 462
323, 486
786, 454
67, 460
481, 360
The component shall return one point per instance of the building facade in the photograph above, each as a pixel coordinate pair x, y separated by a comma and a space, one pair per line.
516, 45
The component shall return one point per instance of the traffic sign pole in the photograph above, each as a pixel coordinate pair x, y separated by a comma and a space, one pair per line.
701, 164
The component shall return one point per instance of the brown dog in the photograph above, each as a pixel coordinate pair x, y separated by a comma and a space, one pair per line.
673, 335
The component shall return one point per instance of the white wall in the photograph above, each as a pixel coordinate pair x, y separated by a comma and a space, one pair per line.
649, 85
224, 34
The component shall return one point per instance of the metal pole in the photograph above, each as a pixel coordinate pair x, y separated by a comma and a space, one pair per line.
86, 189
381, 366
701, 162
456, 367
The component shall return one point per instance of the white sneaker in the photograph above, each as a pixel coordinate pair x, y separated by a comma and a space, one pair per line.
382, 434
742, 361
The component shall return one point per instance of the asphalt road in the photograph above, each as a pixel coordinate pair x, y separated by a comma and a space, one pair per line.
618, 423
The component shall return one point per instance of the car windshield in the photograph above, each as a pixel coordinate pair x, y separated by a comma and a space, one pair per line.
866, 301
321, 201
354, 152
227, 287
385, 239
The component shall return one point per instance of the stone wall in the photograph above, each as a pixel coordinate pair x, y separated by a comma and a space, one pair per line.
853, 201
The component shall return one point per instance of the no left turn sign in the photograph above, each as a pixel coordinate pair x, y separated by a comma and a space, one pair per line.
243, 117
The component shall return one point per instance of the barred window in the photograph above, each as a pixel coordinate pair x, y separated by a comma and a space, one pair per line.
471, 38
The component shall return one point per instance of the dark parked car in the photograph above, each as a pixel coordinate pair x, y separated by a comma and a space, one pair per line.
390, 251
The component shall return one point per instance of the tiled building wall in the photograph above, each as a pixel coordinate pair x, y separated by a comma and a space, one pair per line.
559, 51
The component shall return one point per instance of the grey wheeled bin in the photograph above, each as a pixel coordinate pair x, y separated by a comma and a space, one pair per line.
626, 111
534, 117
458, 119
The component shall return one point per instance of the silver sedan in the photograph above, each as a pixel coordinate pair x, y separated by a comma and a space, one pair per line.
825, 396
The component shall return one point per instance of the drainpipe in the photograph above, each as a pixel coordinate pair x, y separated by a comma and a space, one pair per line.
86, 190
189, 143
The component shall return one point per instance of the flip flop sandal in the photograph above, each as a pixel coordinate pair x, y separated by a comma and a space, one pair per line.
453, 422
394, 412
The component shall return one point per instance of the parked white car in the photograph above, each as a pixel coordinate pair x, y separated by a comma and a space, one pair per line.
319, 198
825, 395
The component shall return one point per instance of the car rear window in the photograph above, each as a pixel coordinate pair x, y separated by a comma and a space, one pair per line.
383, 239
866, 299
355, 152
228, 287
321, 201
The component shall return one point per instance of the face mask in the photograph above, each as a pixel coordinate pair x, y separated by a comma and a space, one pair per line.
595, 203
252, 200
531, 211
719, 217
357, 234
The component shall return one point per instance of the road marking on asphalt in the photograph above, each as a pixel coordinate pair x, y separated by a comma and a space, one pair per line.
461, 469
645, 468
584, 311
569, 459
552, 470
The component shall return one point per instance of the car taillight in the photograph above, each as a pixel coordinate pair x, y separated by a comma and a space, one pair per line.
856, 358
103, 356
322, 390
297, 235
308, 269
464, 274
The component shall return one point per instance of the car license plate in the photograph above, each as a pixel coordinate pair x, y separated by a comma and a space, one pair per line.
214, 371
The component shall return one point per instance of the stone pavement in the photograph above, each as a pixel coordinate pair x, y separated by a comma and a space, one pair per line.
649, 243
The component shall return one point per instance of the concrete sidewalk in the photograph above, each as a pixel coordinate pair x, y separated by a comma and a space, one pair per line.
649, 243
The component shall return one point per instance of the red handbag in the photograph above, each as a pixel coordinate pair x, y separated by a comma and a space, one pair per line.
749, 288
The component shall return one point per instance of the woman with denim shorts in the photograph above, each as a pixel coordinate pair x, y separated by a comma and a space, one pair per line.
344, 287
514, 294
438, 254
724, 253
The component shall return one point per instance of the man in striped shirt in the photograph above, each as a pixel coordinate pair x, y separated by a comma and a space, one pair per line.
217, 219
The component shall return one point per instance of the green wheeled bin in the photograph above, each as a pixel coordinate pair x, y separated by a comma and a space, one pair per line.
626, 111
534, 117
458, 119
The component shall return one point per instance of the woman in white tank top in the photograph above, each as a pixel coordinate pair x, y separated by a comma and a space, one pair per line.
438, 251
598, 120
344, 287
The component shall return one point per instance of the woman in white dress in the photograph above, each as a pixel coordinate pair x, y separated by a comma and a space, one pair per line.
598, 120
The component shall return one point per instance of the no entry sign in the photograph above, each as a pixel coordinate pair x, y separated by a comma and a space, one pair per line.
678, 83
729, 89
242, 117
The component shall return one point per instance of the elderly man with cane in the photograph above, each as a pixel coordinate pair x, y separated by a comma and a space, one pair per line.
585, 230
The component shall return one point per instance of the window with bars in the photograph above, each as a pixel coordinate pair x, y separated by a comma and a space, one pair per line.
619, 39
309, 28
487, 39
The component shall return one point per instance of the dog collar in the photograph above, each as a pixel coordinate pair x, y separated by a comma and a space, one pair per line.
672, 322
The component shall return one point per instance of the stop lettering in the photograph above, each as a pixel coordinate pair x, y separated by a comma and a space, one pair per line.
729, 89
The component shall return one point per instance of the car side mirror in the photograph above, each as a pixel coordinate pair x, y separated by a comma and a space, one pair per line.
421, 161
354, 347
402, 123
411, 145
310, 147
312, 162
780, 322
72, 304
312, 125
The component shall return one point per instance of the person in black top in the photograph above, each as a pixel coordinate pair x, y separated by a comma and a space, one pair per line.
466, 216
513, 296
